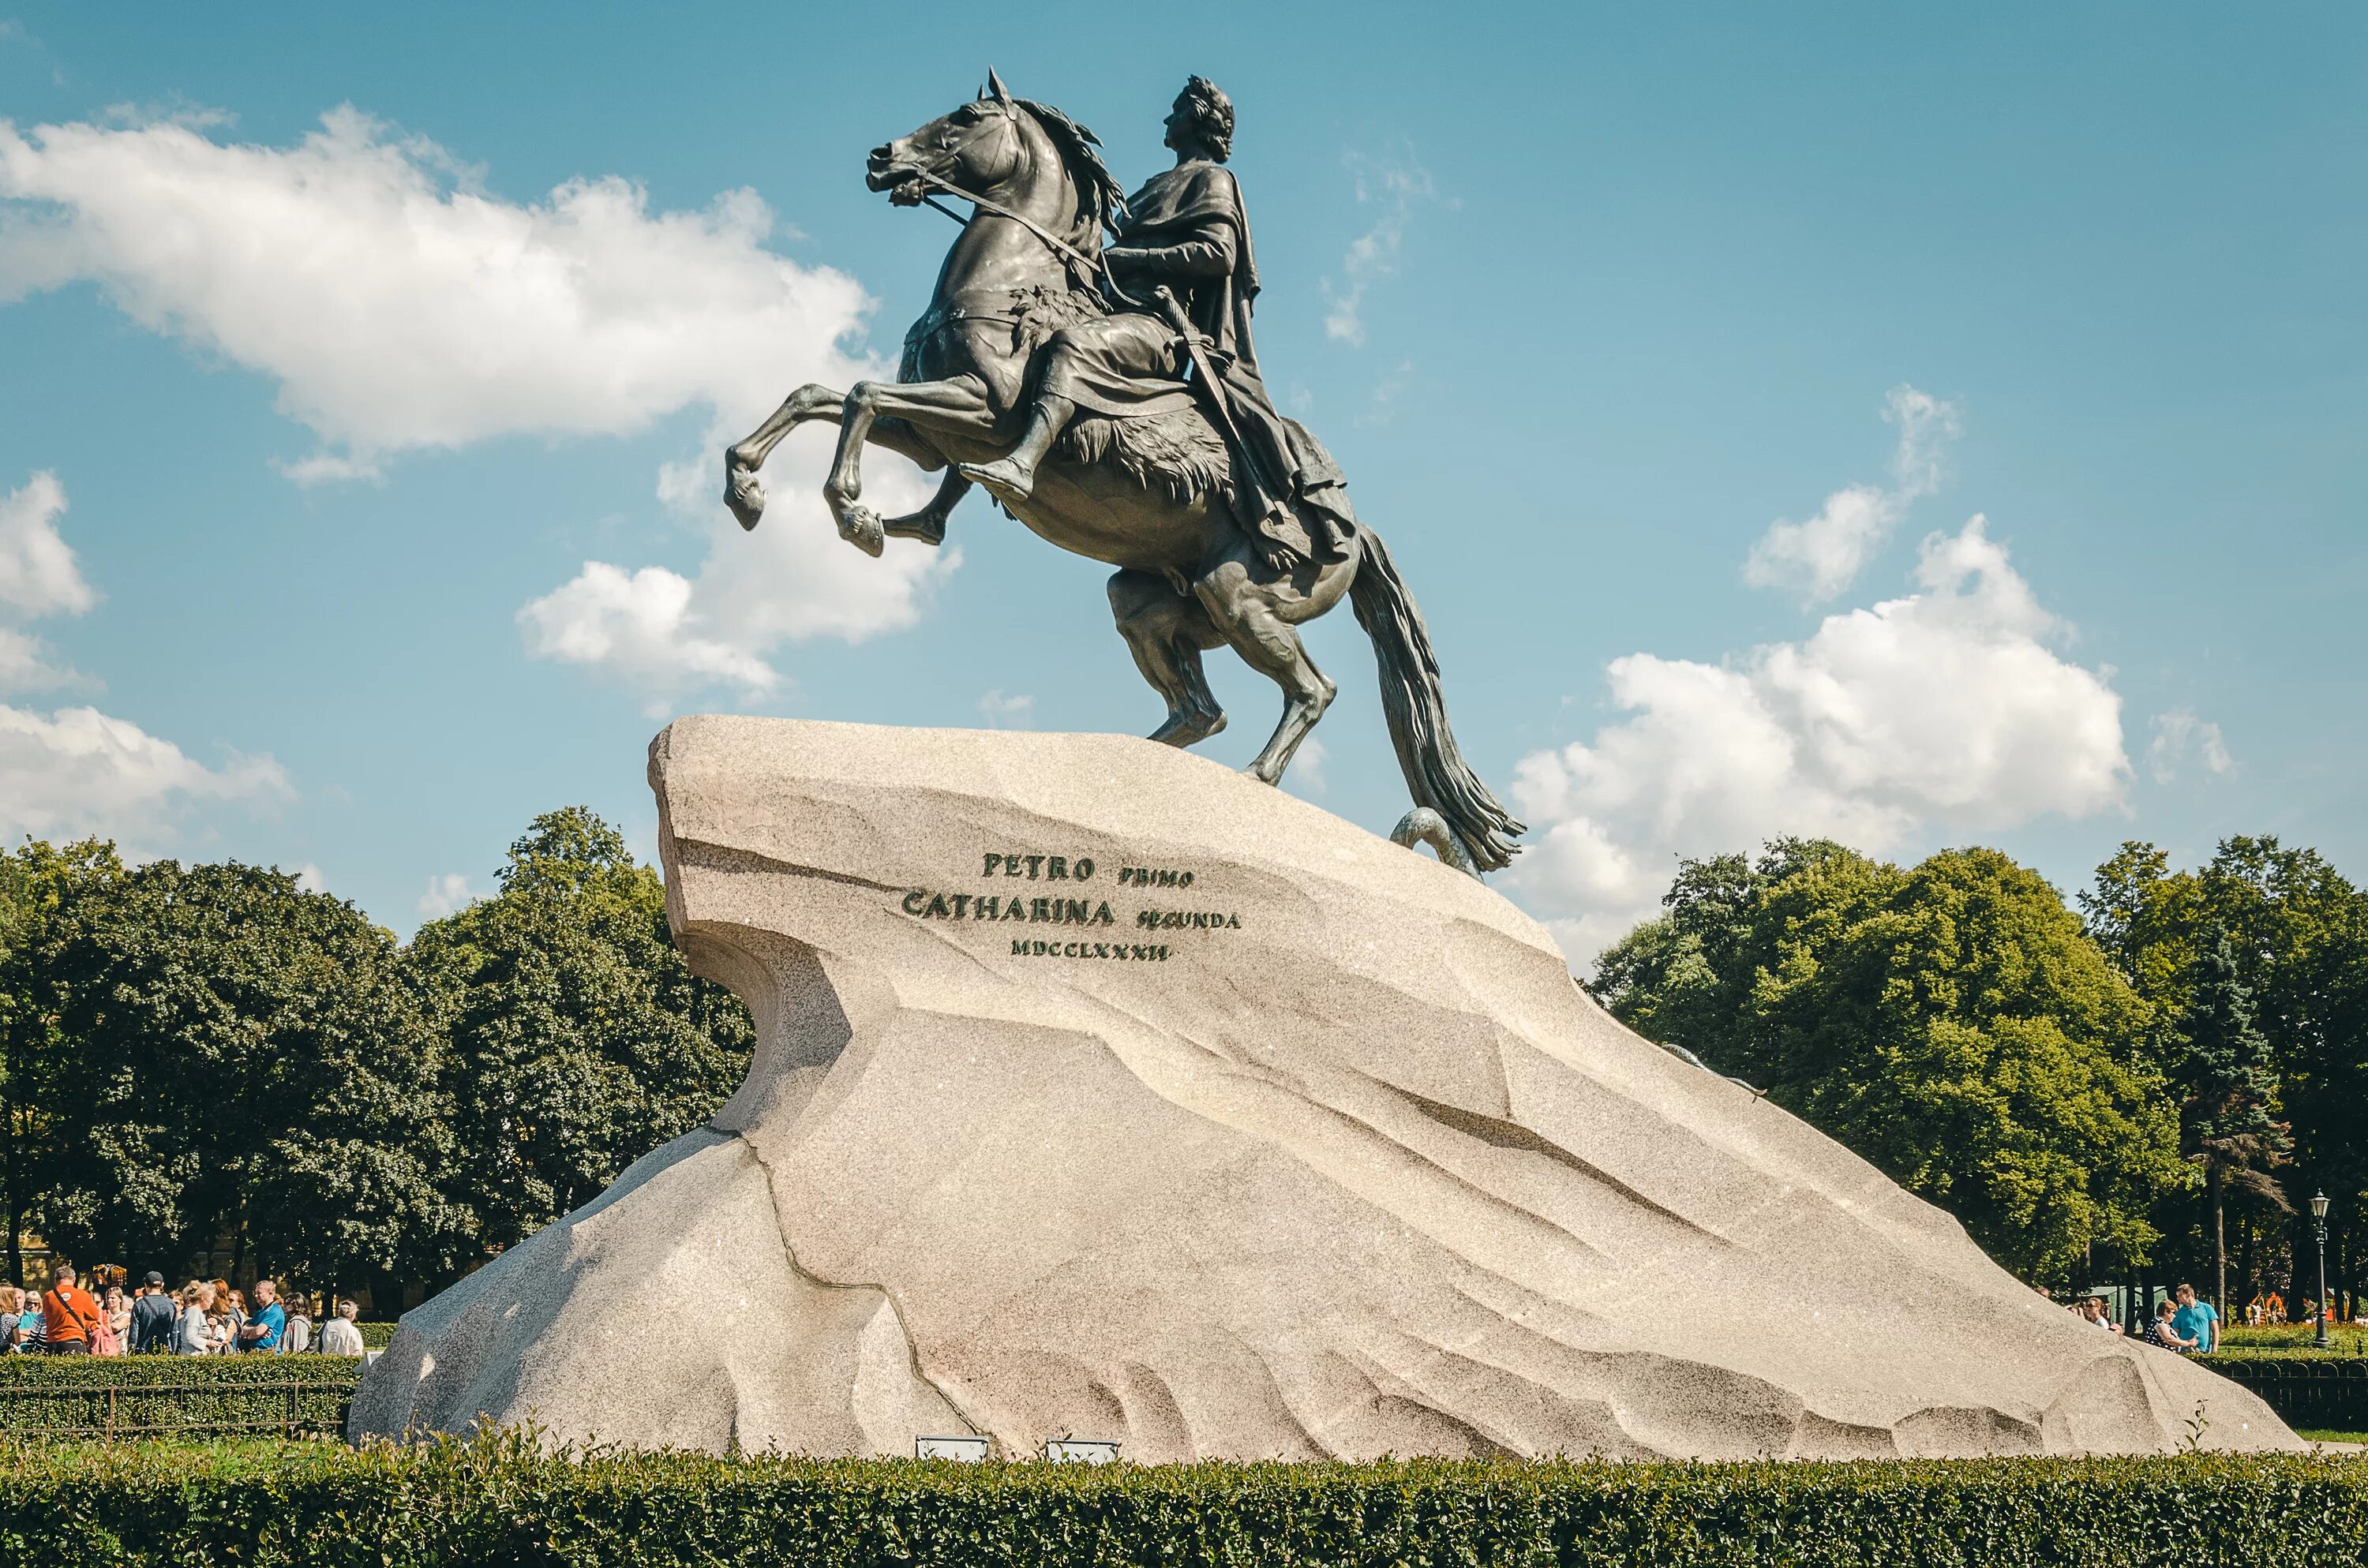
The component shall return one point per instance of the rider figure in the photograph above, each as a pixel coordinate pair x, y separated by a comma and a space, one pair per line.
1185, 230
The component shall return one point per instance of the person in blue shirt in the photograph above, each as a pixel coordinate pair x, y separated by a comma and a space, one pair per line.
263, 1330
2196, 1320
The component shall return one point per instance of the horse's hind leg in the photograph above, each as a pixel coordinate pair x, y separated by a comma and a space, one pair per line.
928, 524
1245, 615
1165, 633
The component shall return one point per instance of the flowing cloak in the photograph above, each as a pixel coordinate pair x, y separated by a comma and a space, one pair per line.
1186, 228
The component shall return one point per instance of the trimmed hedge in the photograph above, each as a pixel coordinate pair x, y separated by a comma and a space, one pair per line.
494, 1500
2348, 1337
64, 1396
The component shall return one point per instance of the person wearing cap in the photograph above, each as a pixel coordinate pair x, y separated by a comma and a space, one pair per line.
151, 1317
69, 1317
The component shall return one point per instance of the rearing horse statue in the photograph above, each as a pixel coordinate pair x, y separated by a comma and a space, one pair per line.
1147, 495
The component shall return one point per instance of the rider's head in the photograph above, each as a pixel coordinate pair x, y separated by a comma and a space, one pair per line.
1204, 115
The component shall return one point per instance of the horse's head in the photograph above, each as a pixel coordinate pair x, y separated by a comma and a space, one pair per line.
976, 147
1025, 154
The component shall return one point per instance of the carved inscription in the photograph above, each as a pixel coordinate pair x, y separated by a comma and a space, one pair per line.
994, 899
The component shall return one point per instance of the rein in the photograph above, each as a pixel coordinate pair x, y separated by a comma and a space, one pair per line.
1092, 266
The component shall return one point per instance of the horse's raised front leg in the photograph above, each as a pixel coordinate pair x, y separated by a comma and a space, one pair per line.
928, 524
1165, 633
957, 407
743, 492
1245, 612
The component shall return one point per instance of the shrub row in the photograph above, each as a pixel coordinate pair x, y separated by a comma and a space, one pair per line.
2282, 1335
120, 1372
495, 1500
55, 1396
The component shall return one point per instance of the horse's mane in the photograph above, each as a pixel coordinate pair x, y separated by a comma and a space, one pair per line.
1100, 203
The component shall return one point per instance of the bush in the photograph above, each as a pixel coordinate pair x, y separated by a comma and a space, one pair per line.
2295, 1338
53, 1396
494, 1500
376, 1334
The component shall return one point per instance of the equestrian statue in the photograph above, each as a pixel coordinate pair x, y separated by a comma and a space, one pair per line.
1108, 396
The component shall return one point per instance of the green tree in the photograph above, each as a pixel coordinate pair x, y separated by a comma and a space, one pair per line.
2229, 1087
577, 1038
218, 1054
35, 880
1949, 1022
2297, 943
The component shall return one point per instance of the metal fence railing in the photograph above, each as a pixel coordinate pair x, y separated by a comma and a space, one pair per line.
2322, 1394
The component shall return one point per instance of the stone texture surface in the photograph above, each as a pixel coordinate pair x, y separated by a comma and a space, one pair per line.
1353, 1169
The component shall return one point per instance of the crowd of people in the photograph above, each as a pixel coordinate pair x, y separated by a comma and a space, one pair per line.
2181, 1322
205, 1317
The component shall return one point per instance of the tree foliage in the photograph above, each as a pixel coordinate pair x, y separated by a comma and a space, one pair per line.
2223, 1066
2257, 967
220, 1053
577, 1038
1950, 1022
208, 1066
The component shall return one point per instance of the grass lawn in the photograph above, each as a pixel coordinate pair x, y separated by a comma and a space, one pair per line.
2313, 1435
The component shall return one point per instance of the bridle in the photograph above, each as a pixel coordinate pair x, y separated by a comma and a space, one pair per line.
1089, 267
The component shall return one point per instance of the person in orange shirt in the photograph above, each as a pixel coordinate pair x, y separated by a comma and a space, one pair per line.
69, 1317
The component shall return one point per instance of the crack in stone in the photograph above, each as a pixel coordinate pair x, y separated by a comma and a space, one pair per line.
1502, 1134
711, 856
912, 1345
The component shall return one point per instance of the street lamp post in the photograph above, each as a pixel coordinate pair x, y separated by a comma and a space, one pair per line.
2319, 1229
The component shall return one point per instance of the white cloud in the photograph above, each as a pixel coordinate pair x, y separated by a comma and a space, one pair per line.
1944, 709
310, 878
641, 626
25, 664
1003, 713
38, 573
397, 302
79, 771
1821, 557
447, 894
2180, 736
401, 305
1396, 188
1382, 403
1307, 775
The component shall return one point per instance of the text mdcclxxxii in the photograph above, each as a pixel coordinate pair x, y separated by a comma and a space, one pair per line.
1067, 908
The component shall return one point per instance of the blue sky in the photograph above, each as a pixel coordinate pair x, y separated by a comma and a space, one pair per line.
365, 375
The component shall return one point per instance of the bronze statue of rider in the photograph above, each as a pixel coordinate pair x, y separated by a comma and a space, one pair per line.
1185, 230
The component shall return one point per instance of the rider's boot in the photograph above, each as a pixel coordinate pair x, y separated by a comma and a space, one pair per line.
1013, 478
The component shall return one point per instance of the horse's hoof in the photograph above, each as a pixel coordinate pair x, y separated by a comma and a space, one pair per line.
1189, 730
860, 526
744, 497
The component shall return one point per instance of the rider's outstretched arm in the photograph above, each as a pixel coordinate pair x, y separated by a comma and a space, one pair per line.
1207, 252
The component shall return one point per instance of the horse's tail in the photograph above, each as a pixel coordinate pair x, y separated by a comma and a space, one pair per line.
1435, 771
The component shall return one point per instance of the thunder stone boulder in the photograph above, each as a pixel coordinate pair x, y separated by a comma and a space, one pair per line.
1101, 1092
